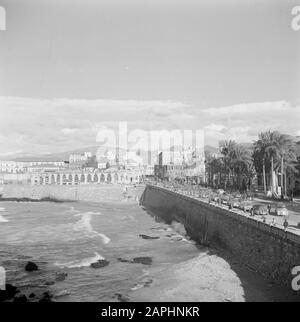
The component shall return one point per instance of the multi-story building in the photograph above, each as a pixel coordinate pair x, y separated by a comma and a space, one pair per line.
79, 158
11, 167
191, 169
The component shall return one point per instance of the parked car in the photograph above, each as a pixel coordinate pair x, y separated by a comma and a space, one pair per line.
233, 203
245, 206
224, 199
260, 209
215, 198
279, 210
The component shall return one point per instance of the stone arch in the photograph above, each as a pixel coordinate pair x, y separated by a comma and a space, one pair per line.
58, 179
116, 178
109, 178
96, 178
70, 178
102, 177
76, 179
41, 180
64, 179
82, 178
89, 178
52, 179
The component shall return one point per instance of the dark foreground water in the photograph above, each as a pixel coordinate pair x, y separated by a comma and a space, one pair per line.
68, 237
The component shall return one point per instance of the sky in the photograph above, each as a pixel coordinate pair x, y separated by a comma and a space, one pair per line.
68, 68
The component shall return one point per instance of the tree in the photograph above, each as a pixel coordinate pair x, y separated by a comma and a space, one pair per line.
273, 151
241, 162
260, 155
227, 150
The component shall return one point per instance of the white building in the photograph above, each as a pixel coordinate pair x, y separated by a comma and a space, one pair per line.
78, 158
11, 166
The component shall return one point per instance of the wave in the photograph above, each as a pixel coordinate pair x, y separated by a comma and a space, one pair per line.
81, 262
145, 282
72, 210
84, 224
2, 219
180, 230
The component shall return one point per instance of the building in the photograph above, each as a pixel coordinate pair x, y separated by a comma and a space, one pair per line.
11, 167
79, 158
190, 169
169, 172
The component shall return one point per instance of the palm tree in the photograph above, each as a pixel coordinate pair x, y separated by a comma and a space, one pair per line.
275, 150
241, 162
272, 151
227, 150
286, 150
260, 154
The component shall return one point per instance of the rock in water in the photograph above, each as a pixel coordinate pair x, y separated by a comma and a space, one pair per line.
143, 260
47, 297
20, 299
122, 260
30, 267
60, 277
100, 263
148, 237
50, 283
122, 298
9, 292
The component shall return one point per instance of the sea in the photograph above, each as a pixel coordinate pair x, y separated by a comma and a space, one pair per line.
68, 237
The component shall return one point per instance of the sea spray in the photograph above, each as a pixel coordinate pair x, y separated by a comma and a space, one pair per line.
84, 225
86, 262
179, 228
2, 219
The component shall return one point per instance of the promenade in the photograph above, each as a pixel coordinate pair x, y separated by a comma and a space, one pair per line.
202, 194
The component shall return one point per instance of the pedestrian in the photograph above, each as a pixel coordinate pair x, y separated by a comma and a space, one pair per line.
285, 224
269, 208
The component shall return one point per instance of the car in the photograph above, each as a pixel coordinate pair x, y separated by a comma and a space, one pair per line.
224, 199
245, 206
260, 209
215, 198
280, 210
233, 203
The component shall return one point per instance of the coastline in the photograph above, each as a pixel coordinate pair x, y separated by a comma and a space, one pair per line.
56, 193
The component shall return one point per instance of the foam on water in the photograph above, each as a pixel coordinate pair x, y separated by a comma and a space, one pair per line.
81, 262
2, 219
84, 224
180, 230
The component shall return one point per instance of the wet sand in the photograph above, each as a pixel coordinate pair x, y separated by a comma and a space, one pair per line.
210, 278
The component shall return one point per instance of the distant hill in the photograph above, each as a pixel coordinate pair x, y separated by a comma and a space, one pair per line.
64, 156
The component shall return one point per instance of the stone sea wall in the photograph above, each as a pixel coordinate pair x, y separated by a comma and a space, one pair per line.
270, 251
88, 192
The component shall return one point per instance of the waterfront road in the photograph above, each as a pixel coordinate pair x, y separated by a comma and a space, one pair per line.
275, 221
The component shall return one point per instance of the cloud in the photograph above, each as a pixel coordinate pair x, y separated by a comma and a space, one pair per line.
63, 124
55, 125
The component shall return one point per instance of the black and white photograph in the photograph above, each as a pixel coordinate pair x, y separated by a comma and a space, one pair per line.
149, 153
